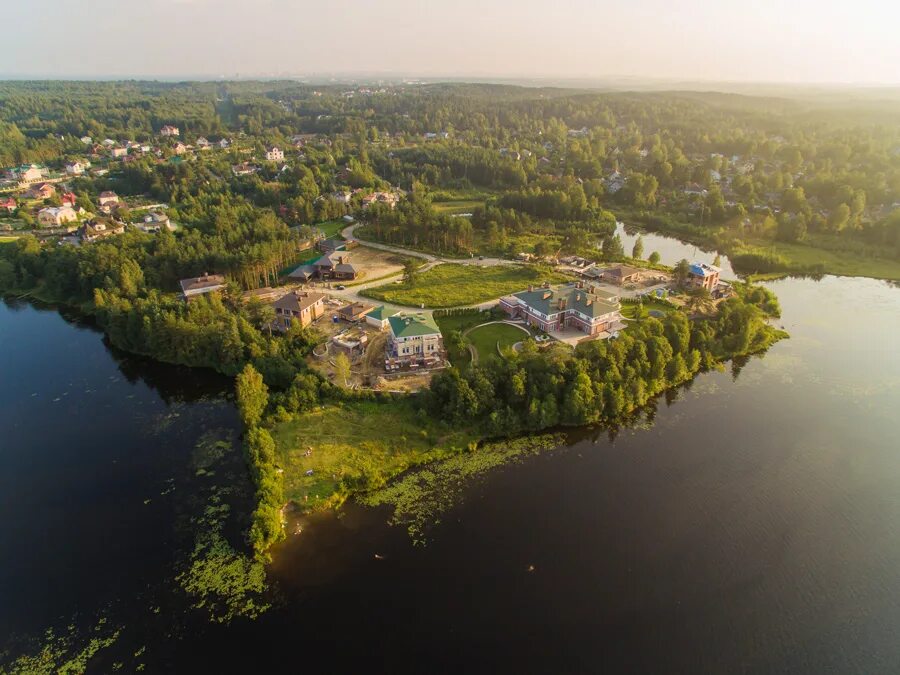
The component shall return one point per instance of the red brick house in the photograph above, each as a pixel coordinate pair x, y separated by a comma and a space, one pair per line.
567, 306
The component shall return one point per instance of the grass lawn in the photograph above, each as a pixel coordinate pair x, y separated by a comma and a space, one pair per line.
451, 285
657, 310
485, 339
332, 228
629, 309
306, 257
365, 442
462, 322
835, 262
457, 206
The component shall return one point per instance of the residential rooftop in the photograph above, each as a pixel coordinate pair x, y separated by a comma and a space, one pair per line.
413, 325
206, 281
298, 301
587, 300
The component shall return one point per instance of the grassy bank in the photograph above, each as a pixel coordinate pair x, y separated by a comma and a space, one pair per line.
801, 258
451, 285
818, 253
357, 446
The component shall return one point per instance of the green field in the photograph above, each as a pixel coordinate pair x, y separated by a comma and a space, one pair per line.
457, 206
486, 338
843, 263
362, 443
332, 228
451, 285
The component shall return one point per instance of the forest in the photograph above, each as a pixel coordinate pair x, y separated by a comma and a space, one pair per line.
756, 177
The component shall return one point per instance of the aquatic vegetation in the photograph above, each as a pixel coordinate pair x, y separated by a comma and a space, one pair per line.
66, 654
421, 497
226, 583
221, 580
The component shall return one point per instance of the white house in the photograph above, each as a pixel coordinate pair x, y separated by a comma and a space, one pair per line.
169, 130
107, 199
274, 154
54, 216
154, 222
378, 317
414, 341
75, 168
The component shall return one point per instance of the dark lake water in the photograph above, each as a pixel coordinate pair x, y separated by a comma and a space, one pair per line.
752, 526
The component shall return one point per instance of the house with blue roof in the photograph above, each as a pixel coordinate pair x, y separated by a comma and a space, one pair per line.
703, 275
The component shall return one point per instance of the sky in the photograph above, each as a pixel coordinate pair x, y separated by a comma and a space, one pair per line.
777, 41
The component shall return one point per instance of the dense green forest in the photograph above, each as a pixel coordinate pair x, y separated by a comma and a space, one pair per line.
751, 175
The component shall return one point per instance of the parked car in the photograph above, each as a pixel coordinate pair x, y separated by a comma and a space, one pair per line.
341, 287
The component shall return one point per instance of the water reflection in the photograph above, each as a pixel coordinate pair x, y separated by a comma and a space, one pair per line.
671, 250
745, 523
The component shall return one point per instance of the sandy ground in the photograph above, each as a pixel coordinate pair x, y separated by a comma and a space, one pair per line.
375, 264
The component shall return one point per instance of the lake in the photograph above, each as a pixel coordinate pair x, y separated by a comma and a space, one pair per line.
750, 523
671, 250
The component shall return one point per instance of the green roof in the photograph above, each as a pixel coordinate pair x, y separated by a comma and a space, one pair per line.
413, 325
380, 313
547, 300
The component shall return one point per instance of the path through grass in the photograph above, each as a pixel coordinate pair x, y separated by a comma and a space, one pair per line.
451, 285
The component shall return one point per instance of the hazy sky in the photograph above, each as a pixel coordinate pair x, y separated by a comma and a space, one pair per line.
736, 40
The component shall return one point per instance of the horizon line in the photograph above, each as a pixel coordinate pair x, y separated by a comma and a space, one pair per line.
341, 77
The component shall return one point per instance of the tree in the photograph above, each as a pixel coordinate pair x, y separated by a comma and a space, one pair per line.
681, 271
574, 239
717, 261
638, 250
699, 300
794, 200
838, 218
543, 248
612, 248
410, 271
252, 396
342, 368
654, 258
792, 229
